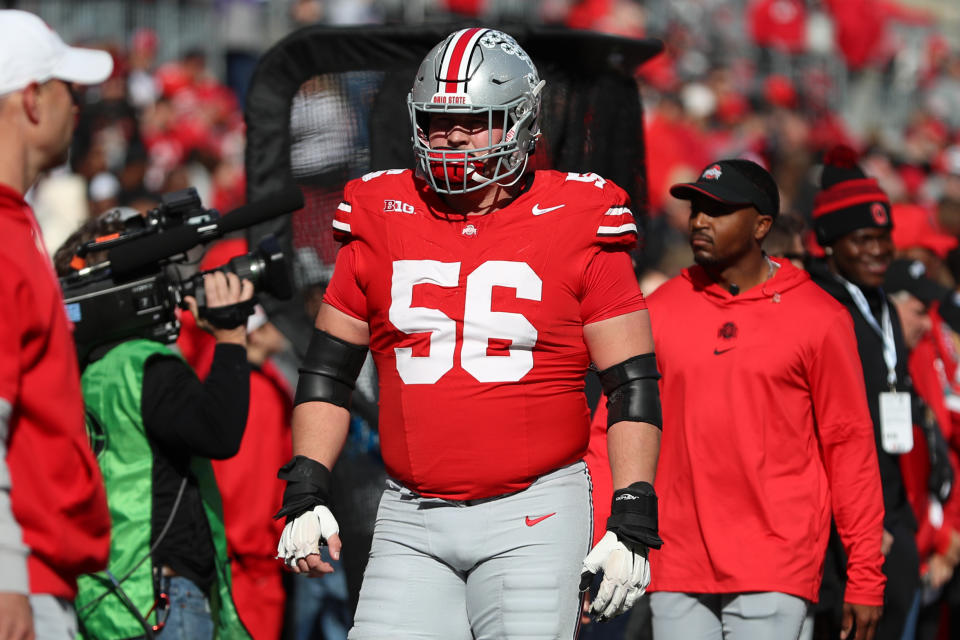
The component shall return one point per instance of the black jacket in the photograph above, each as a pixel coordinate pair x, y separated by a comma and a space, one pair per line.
184, 418
870, 345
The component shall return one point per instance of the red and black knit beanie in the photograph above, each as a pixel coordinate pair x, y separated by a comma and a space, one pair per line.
848, 199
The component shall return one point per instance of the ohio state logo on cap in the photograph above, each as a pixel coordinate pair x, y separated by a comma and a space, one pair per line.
879, 213
712, 173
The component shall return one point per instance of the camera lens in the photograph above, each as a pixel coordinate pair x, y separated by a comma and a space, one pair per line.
250, 266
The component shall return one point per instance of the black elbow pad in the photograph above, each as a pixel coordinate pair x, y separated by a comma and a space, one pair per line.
632, 391
329, 371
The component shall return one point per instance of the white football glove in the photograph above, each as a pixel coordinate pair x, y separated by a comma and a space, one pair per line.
625, 576
305, 534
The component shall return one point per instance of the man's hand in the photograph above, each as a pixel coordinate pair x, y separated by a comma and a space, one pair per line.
886, 542
952, 554
866, 618
222, 290
300, 542
16, 617
939, 571
625, 576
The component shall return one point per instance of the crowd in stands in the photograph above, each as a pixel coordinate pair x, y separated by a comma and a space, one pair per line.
774, 80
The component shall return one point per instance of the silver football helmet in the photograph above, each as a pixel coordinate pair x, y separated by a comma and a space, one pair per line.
476, 71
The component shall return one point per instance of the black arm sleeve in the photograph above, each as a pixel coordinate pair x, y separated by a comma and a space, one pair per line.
203, 418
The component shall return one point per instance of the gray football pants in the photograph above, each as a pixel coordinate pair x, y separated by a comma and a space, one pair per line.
763, 615
502, 568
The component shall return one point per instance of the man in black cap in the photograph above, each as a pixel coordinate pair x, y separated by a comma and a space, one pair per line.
851, 217
766, 431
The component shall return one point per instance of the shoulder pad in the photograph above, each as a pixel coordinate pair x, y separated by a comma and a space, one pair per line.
367, 177
344, 220
615, 226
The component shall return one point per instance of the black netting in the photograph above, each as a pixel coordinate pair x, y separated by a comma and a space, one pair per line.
329, 145
329, 104
592, 122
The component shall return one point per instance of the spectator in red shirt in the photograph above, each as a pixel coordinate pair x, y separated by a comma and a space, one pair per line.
766, 432
863, 32
778, 24
54, 523
247, 481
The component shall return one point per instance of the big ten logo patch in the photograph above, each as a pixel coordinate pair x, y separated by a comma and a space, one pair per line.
397, 206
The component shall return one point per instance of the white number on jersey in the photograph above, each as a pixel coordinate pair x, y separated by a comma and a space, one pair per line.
409, 319
376, 174
480, 322
597, 180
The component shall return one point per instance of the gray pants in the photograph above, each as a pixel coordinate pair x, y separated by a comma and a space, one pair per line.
502, 568
766, 615
53, 618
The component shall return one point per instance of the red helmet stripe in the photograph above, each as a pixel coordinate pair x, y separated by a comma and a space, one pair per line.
456, 60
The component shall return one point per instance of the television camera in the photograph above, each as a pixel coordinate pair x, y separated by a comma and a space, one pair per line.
135, 291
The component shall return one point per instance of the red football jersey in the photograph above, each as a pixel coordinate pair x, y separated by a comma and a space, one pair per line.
476, 323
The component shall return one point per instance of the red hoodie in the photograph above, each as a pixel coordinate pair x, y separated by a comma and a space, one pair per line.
57, 495
766, 430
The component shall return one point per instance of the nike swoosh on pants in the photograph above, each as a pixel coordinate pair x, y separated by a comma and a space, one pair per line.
532, 521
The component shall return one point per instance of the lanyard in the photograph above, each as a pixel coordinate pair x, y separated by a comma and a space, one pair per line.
886, 333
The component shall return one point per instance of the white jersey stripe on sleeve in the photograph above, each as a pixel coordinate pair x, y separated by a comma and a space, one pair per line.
341, 226
618, 211
345, 207
616, 231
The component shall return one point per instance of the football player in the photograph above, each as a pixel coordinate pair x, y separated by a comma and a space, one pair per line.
483, 291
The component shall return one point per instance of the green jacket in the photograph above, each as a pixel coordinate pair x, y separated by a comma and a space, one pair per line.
112, 389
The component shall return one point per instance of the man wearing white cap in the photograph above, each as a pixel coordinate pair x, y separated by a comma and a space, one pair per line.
54, 523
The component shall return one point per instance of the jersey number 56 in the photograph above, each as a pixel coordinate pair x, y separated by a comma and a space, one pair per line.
480, 322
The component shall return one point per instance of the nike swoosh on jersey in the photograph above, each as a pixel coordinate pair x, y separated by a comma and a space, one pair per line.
537, 211
717, 352
532, 521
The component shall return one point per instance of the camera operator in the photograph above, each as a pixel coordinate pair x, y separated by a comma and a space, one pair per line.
54, 523
155, 428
